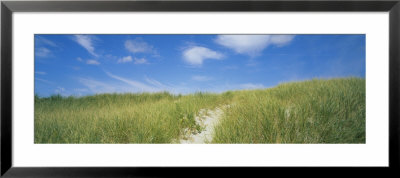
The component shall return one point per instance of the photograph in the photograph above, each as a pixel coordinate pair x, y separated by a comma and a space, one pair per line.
199, 88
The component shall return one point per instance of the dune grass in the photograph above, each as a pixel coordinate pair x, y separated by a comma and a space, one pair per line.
316, 111
119, 118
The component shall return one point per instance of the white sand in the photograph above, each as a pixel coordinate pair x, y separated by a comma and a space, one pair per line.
207, 119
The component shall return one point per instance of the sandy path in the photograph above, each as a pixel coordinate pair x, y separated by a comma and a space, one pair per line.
207, 119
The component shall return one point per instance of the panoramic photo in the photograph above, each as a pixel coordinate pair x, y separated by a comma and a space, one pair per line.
199, 89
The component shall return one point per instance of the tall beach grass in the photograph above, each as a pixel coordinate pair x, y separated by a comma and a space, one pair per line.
315, 111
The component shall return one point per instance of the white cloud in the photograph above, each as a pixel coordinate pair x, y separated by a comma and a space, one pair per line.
43, 80
97, 86
42, 52
136, 84
201, 78
39, 40
124, 85
125, 59
252, 45
281, 40
138, 46
44, 47
89, 61
86, 41
92, 62
197, 54
130, 59
156, 83
140, 61
40, 73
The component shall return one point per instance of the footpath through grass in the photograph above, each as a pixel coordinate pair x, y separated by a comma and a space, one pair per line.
316, 111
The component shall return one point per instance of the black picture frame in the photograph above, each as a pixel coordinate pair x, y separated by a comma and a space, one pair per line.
8, 7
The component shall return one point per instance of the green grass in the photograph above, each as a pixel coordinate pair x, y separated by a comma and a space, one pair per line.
316, 111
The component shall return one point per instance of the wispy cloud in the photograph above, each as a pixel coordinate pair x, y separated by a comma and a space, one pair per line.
42, 52
201, 78
88, 61
281, 40
197, 54
40, 72
130, 59
140, 61
96, 86
156, 83
86, 41
43, 80
41, 41
136, 84
138, 46
125, 59
252, 45
123, 85
92, 62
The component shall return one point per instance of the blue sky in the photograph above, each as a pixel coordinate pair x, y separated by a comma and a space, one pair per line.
81, 65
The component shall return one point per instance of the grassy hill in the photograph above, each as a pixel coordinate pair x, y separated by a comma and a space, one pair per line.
315, 111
